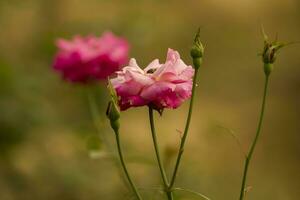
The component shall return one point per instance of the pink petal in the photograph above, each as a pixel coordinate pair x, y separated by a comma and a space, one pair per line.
172, 55
153, 65
132, 101
156, 89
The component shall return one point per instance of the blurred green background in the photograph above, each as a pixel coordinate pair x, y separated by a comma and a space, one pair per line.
45, 122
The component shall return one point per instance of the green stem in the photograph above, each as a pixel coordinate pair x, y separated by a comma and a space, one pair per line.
250, 153
137, 194
160, 164
187, 125
170, 195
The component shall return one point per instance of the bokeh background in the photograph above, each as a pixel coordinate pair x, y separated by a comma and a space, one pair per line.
45, 123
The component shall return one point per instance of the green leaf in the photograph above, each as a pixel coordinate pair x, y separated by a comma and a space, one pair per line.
193, 192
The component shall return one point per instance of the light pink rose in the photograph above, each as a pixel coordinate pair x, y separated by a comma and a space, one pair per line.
161, 86
84, 59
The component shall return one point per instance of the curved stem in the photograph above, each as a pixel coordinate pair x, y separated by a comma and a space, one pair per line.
250, 153
187, 125
138, 196
160, 164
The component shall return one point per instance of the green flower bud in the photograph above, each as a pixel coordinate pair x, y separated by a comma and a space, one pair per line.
270, 51
115, 125
268, 68
112, 111
197, 62
113, 114
197, 51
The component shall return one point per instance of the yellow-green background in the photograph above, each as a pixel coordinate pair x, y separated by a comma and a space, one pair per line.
45, 122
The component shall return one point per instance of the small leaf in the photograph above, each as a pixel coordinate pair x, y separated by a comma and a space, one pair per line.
193, 192
233, 135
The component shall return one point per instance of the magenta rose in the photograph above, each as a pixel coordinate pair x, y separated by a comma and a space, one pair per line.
85, 59
161, 86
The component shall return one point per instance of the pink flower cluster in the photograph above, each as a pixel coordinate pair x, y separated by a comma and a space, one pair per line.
161, 86
84, 59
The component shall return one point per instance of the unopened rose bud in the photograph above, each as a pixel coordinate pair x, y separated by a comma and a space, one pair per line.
269, 53
113, 111
197, 62
268, 68
113, 114
197, 51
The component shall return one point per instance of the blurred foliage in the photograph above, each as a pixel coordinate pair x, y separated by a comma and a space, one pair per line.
45, 122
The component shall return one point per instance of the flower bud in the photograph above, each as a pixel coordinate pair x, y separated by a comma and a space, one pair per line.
197, 62
270, 52
197, 51
113, 110
113, 114
268, 68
